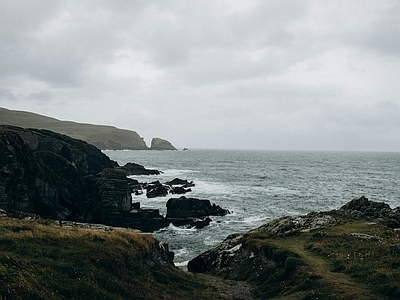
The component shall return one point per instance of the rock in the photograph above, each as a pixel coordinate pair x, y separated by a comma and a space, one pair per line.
180, 190
219, 257
136, 169
235, 251
160, 144
362, 207
192, 208
289, 225
200, 223
182, 182
156, 189
57, 177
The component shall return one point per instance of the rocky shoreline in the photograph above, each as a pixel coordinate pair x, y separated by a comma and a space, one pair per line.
353, 251
58, 177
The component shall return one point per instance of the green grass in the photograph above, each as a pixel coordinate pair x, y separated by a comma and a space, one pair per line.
38, 261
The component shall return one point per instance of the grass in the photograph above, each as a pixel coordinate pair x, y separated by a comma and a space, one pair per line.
337, 262
38, 261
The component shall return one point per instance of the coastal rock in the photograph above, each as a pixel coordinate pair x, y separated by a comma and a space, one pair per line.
289, 225
57, 177
136, 169
181, 182
362, 207
236, 251
156, 189
192, 208
160, 144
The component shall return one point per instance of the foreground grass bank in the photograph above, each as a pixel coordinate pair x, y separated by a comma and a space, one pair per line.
38, 261
356, 259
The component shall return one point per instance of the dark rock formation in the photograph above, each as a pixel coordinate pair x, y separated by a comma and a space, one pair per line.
362, 207
181, 208
156, 189
200, 223
181, 182
160, 144
55, 176
136, 169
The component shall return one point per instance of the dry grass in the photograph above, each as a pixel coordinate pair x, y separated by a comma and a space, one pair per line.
38, 261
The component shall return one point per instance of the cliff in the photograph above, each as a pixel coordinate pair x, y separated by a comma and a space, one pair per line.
56, 176
100, 136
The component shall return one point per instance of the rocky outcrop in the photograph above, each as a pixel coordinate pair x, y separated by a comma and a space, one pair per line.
55, 176
181, 208
136, 169
160, 144
235, 250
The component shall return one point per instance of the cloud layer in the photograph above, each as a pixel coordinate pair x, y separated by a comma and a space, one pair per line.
305, 75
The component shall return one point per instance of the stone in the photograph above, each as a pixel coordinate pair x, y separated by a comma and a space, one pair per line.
192, 208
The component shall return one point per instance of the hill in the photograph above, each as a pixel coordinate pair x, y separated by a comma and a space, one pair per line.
100, 136
42, 261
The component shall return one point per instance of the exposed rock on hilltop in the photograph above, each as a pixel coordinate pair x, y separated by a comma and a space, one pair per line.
160, 144
100, 136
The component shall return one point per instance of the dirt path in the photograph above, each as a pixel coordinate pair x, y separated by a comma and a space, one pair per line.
229, 289
338, 281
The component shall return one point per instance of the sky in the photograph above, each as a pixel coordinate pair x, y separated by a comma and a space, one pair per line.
267, 75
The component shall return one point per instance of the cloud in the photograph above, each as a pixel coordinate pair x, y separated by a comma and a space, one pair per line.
262, 74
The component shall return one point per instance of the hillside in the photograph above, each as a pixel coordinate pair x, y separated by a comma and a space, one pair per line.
41, 260
100, 136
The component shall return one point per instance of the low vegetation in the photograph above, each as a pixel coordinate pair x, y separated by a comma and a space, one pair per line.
38, 261
353, 260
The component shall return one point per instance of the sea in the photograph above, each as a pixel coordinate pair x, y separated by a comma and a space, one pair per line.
259, 186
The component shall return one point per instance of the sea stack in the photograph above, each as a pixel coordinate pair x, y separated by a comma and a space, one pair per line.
160, 144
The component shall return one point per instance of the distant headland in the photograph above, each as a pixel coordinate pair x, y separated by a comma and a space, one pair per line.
101, 136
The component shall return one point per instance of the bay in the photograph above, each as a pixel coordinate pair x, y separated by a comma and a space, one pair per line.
258, 186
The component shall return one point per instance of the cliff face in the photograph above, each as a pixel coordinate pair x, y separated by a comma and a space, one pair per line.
45, 173
56, 176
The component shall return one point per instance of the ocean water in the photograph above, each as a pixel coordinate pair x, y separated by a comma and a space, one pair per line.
258, 186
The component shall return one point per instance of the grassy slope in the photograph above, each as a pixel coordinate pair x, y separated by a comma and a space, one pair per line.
38, 261
93, 134
328, 263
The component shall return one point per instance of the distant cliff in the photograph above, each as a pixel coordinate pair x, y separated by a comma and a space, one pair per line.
100, 136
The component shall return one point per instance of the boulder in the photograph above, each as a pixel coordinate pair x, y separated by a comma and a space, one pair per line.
156, 189
192, 208
200, 223
136, 169
181, 182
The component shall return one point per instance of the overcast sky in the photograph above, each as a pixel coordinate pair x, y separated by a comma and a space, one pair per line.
287, 75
